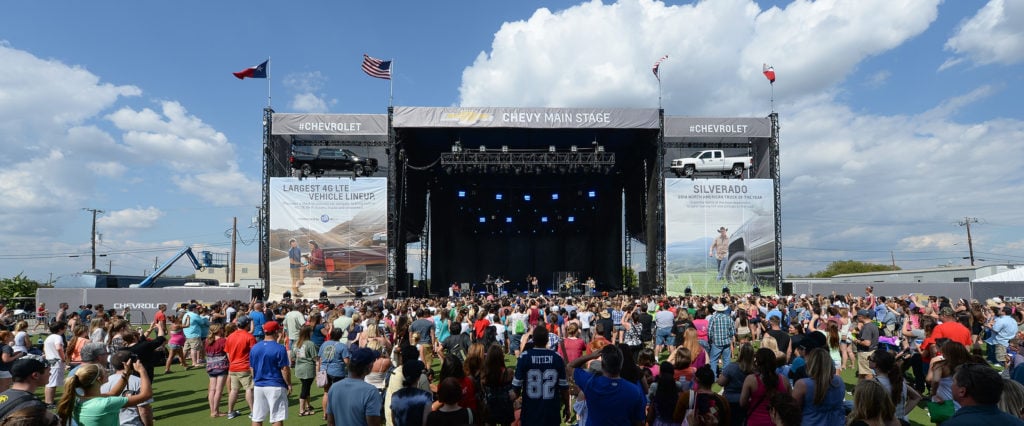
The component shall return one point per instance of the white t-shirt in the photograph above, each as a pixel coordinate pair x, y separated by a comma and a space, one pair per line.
20, 342
499, 331
584, 317
52, 346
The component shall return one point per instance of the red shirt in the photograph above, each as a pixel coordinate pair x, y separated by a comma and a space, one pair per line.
159, 316
480, 326
954, 331
574, 348
237, 345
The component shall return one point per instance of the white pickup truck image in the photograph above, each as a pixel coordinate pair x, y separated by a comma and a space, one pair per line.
712, 160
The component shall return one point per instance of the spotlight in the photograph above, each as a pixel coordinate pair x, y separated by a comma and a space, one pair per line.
554, 196
462, 194
483, 219
483, 148
543, 219
526, 197
592, 194
504, 148
572, 219
600, 148
551, 148
497, 196
508, 219
572, 148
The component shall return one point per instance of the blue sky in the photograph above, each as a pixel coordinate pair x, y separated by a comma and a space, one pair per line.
898, 117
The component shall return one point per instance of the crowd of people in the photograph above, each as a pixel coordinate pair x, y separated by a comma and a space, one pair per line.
535, 360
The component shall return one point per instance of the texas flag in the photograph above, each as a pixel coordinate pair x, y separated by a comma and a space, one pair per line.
769, 72
258, 71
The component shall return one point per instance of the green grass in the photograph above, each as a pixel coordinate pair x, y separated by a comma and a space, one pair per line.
706, 282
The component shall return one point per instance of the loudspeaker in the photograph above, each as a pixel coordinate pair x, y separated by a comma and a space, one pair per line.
786, 289
645, 282
409, 284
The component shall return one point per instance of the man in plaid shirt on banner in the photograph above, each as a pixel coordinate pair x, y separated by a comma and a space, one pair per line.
720, 333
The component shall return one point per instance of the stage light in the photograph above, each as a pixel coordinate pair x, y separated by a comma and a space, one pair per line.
543, 219
554, 196
600, 148
497, 196
572, 218
572, 148
504, 148
483, 219
462, 194
483, 148
551, 148
592, 194
526, 197
508, 219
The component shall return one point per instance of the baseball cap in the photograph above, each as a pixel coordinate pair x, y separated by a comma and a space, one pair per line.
94, 352
363, 356
242, 321
26, 365
271, 327
865, 313
946, 311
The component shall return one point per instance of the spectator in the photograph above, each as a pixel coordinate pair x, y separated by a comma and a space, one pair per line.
760, 387
306, 364
453, 368
411, 405
663, 394
708, 408
731, 380
663, 329
822, 393
450, 413
216, 367
95, 408
871, 406
193, 324
610, 398
293, 322
334, 356
272, 378
146, 350
574, 347
941, 370
949, 329
1003, 328
7, 356
977, 388
352, 401
496, 381
540, 380
28, 374
140, 415
1012, 400
175, 344
904, 398
79, 337
866, 343
53, 351
422, 335
783, 410
21, 337
237, 346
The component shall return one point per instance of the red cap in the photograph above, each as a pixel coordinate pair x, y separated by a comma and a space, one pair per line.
271, 327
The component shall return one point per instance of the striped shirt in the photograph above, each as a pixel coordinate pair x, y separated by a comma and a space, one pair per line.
720, 329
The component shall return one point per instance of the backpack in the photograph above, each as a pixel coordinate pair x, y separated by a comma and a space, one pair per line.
499, 408
708, 411
460, 346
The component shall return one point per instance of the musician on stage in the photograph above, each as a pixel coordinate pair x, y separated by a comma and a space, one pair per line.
534, 283
455, 290
591, 285
488, 284
498, 285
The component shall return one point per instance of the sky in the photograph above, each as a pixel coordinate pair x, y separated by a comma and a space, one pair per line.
899, 118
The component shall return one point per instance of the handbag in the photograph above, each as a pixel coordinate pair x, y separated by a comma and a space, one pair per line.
216, 364
940, 411
321, 378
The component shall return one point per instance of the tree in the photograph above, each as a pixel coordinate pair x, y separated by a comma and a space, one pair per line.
851, 267
17, 286
629, 276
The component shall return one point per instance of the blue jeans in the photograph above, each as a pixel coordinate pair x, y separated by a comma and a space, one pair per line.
721, 268
720, 352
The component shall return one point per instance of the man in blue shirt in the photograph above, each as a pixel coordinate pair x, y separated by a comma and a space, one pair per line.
611, 400
352, 401
540, 379
258, 320
977, 388
1003, 328
272, 377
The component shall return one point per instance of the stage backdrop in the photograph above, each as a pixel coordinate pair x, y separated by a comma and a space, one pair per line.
346, 218
695, 210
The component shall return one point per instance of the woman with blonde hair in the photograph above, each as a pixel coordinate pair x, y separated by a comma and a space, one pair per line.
379, 370
21, 337
98, 330
216, 368
691, 341
306, 364
175, 344
849, 359
822, 392
94, 408
871, 406
1012, 400
769, 342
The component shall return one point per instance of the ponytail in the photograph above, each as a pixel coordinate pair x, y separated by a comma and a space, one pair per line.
66, 405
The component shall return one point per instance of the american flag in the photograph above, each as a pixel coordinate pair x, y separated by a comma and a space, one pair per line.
656, 65
374, 67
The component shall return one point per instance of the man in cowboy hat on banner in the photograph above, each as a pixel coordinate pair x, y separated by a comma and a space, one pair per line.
720, 250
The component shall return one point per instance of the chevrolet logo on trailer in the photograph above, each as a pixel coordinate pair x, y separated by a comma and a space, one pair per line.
467, 117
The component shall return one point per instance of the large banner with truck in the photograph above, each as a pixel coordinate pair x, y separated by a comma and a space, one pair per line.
719, 233
328, 235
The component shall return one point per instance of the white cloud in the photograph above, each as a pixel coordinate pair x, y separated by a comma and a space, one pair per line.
107, 168
995, 35
129, 219
715, 53
878, 79
221, 188
941, 240
172, 136
307, 86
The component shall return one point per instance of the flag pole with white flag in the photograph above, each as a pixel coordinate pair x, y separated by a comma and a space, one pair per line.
655, 69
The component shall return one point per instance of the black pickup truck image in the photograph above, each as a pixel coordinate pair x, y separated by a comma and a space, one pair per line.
328, 159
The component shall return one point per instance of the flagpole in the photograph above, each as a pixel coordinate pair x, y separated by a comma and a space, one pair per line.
391, 84
659, 92
268, 82
773, 98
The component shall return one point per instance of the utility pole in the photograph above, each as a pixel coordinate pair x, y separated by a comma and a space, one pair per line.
110, 265
970, 244
893, 257
234, 239
92, 237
